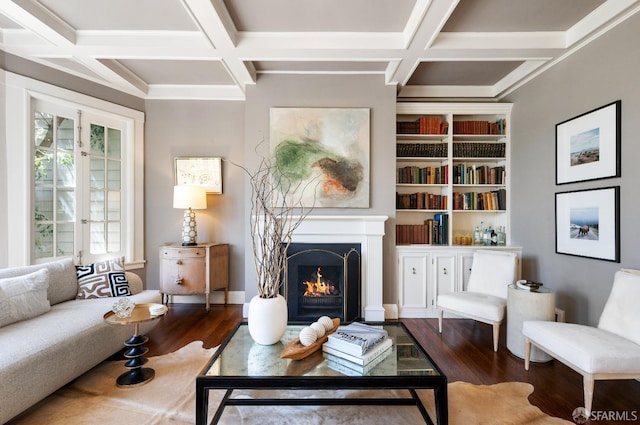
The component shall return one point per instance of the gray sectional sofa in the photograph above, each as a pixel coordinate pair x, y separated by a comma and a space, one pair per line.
43, 353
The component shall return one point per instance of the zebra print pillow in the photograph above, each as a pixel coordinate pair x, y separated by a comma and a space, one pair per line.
102, 279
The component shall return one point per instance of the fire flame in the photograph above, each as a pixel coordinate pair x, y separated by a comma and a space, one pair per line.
319, 287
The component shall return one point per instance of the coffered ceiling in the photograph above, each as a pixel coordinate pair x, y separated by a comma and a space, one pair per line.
214, 49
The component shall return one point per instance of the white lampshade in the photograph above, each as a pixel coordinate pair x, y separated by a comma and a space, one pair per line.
194, 197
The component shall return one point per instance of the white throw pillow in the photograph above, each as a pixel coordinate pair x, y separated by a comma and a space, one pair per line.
23, 297
102, 279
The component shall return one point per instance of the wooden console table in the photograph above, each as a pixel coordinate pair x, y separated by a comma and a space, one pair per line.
191, 270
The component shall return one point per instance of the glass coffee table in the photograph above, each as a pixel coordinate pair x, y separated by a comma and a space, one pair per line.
240, 363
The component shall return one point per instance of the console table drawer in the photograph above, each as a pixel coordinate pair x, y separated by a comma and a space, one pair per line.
180, 253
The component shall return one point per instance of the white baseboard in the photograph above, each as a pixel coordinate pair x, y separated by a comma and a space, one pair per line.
390, 311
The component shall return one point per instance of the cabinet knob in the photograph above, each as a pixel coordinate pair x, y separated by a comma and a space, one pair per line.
179, 262
413, 270
444, 270
178, 280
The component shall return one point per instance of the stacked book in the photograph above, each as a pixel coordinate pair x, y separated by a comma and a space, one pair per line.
357, 348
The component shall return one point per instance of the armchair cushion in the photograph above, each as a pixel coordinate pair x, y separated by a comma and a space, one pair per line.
474, 304
492, 272
593, 350
621, 314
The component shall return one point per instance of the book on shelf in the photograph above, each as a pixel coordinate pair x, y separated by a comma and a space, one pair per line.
356, 338
363, 359
349, 368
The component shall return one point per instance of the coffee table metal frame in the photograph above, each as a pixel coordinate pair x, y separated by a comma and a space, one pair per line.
211, 379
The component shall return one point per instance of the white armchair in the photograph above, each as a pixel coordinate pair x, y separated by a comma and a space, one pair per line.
485, 299
610, 351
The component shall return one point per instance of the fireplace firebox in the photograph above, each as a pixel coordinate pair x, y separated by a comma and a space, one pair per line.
322, 279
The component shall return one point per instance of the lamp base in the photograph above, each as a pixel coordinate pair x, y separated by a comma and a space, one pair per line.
189, 232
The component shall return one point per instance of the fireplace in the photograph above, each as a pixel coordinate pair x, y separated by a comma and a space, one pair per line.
323, 279
367, 231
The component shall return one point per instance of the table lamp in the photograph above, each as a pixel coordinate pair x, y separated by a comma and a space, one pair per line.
189, 198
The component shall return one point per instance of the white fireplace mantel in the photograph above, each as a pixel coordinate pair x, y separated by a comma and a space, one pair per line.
368, 231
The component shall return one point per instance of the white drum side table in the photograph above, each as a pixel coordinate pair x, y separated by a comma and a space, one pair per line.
527, 305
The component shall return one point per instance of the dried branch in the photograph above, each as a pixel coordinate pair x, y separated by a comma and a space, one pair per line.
275, 199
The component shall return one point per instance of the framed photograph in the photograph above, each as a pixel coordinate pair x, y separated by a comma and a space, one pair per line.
588, 223
206, 172
588, 146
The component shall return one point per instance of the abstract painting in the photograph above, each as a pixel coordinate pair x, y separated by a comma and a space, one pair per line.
325, 152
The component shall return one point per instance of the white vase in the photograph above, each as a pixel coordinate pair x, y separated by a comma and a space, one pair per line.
267, 319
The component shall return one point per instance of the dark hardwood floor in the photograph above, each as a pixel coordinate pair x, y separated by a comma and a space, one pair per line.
463, 352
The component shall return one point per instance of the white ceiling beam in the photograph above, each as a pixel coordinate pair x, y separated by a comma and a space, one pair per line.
213, 19
602, 19
37, 19
319, 40
195, 92
521, 72
446, 92
500, 40
424, 33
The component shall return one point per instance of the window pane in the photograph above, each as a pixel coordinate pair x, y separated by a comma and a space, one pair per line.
98, 243
114, 237
97, 205
114, 175
43, 167
114, 143
64, 239
66, 205
113, 206
66, 170
43, 207
44, 240
97, 140
65, 133
43, 130
97, 173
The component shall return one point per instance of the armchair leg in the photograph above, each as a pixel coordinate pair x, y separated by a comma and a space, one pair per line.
527, 353
588, 383
496, 336
440, 315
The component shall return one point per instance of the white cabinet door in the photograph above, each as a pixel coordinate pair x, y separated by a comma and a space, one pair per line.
465, 262
413, 272
444, 265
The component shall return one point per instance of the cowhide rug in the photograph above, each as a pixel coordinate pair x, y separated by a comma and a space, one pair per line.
170, 399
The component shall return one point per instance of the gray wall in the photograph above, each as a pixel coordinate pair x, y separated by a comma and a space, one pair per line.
194, 128
602, 72
3, 166
332, 91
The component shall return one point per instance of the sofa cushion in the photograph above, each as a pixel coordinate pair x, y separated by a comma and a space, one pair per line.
63, 283
24, 297
102, 279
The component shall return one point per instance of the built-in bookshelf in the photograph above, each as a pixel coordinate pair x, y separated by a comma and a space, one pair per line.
452, 171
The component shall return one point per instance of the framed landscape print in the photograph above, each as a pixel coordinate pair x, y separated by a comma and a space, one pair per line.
588, 146
588, 223
206, 172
